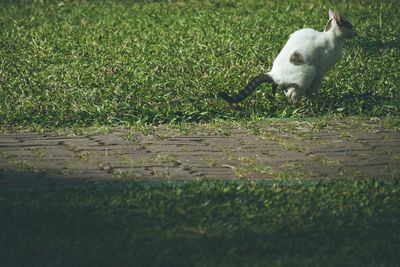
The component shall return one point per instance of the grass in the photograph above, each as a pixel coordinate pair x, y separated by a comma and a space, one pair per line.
87, 66
88, 63
211, 223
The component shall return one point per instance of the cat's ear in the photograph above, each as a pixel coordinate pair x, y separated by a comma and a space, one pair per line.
337, 18
330, 13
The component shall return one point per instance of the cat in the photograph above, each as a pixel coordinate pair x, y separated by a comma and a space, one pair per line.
304, 60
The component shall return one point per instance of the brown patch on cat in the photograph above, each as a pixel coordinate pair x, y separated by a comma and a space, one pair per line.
296, 58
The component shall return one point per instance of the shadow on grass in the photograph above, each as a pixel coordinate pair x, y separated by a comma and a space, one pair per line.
97, 241
339, 223
372, 46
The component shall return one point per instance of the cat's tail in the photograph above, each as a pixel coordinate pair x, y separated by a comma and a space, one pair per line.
250, 87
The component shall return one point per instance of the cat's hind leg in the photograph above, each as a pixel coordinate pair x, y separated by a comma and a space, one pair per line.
293, 92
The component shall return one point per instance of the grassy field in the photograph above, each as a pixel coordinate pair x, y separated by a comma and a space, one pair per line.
333, 223
105, 63
87, 63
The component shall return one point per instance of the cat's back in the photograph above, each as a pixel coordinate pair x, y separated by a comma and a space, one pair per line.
298, 60
304, 34
304, 40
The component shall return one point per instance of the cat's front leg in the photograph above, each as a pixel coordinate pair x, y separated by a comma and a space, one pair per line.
315, 85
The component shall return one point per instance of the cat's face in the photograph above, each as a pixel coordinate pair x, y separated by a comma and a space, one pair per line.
340, 24
346, 28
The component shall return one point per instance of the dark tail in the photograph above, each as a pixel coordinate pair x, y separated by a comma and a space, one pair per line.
250, 87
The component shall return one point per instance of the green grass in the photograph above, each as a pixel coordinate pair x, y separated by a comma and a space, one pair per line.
85, 63
211, 223
106, 63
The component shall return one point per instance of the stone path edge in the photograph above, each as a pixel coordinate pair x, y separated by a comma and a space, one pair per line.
266, 151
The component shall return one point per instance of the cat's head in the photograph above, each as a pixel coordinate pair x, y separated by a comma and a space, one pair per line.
340, 25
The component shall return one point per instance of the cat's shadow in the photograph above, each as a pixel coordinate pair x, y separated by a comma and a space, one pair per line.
372, 46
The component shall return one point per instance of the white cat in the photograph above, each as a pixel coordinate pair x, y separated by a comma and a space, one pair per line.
302, 63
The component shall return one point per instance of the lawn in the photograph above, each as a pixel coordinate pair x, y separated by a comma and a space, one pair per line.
80, 64
65, 63
212, 223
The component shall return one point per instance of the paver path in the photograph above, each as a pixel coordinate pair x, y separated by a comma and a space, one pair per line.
29, 160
